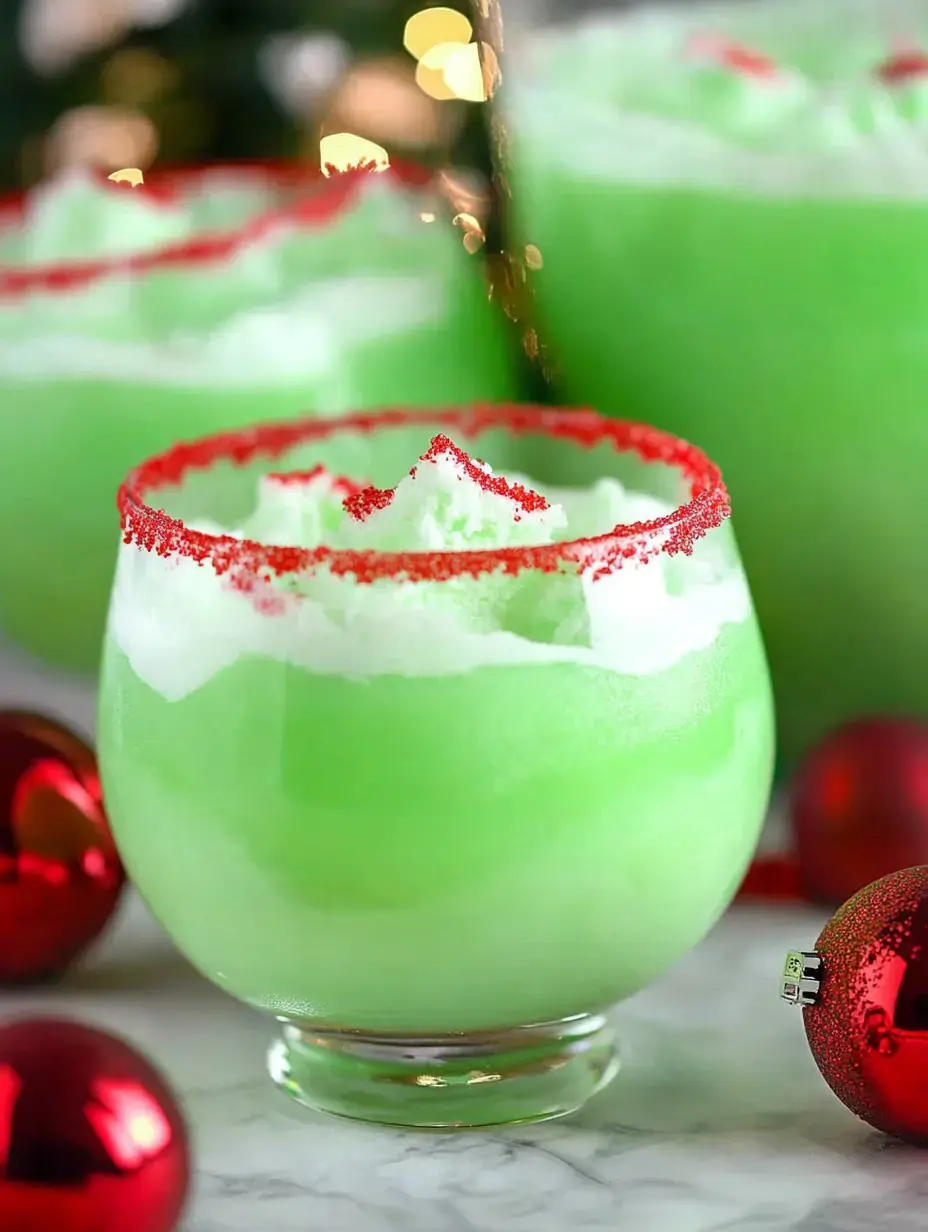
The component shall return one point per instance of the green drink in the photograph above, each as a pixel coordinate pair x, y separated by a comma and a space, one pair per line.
347, 299
728, 231
458, 770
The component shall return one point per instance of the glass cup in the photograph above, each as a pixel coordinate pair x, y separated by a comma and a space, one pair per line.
725, 200
336, 295
434, 811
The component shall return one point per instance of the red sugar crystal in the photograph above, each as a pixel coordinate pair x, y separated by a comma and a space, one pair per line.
903, 66
363, 504
340, 484
741, 60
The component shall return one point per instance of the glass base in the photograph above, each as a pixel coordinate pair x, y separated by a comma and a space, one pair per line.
461, 1081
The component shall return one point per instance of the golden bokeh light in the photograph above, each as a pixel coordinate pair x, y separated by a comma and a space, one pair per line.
427, 217
347, 151
379, 99
136, 76
474, 237
533, 257
430, 27
129, 175
101, 137
463, 74
430, 72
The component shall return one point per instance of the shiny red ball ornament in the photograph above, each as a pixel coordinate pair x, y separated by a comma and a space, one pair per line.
60, 874
868, 1023
859, 807
91, 1137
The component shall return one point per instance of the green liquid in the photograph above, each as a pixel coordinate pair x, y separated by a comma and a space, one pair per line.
789, 339
68, 444
483, 850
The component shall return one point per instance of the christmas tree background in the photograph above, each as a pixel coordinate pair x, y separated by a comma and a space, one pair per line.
177, 81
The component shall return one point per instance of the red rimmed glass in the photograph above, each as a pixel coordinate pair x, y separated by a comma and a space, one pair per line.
435, 812
334, 295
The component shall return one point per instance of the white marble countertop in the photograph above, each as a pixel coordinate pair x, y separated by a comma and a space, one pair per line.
718, 1121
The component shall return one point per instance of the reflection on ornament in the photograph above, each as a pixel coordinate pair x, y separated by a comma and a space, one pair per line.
130, 175
379, 98
430, 27
347, 152
533, 257
430, 72
101, 137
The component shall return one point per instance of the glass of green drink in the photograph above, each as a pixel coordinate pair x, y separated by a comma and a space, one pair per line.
727, 199
434, 774
167, 315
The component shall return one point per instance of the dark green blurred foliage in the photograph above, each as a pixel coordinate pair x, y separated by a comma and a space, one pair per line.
208, 95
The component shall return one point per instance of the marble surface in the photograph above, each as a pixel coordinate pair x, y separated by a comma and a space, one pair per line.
718, 1121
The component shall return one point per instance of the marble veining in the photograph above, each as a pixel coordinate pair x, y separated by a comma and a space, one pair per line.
719, 1120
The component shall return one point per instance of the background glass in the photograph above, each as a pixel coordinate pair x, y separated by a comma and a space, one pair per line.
750, 285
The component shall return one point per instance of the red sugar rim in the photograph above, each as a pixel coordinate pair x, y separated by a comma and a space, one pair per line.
330, 198
153, 530
365, 501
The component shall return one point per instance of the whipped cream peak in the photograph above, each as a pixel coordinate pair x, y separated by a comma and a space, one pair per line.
450, 502
299, 508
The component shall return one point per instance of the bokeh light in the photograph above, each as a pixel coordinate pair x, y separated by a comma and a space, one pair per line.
450, 66
344, 151
101, 137
430, 27
129, 175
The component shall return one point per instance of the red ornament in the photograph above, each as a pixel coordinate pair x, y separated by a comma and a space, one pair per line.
772, 876
868, 1023
91, 1138
859, 807
60, 874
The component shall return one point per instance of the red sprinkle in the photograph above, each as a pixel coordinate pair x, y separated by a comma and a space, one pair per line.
248, 563
316, 202
903, 66
740, 59
362, 505
368, 501
340, 485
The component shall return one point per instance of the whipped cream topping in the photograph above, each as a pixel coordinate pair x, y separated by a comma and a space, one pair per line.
179, 623
285, 307
783, 97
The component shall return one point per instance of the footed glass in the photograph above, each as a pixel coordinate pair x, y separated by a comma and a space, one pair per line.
132, 318
434, 804
726, 199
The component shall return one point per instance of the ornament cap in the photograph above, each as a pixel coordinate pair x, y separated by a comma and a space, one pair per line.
801, 981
